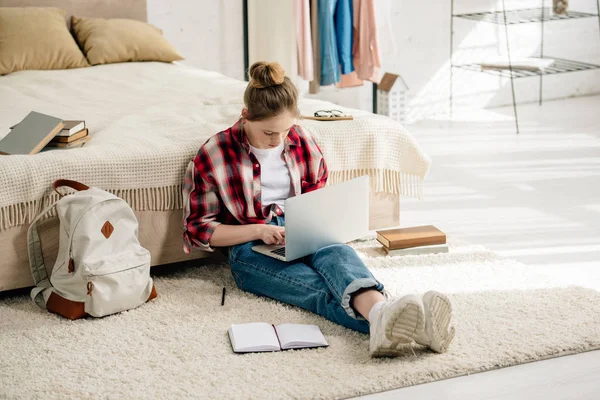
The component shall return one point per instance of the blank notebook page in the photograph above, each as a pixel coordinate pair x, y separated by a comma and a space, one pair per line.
257, 336
296, 335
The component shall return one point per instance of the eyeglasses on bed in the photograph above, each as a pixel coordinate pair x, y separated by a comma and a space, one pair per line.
329, 113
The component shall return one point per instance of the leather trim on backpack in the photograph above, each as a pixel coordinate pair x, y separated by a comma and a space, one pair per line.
72, 184
65, 307
107, 229
153, 293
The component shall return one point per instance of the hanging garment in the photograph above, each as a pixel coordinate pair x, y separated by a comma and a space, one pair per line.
315, 84
335, 31
304, 40
344, 34
367, 58
350, 80
330, 70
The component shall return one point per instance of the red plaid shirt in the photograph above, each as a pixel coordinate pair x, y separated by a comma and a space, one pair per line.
222, 183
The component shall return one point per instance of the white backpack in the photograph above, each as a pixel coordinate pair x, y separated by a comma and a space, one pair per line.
101, 267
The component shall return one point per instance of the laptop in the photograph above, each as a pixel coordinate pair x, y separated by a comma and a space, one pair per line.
333, 214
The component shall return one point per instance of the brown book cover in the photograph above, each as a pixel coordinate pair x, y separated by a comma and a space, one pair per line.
405, 238
76, 143
69, 139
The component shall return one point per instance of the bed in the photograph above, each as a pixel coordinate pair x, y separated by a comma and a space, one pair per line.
148, 120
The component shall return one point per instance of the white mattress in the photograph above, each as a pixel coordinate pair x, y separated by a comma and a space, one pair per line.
149, 119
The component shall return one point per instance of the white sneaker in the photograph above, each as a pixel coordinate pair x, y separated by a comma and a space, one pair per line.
396, 323
437, 334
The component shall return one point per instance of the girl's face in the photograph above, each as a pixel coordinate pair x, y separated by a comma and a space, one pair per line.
268, 133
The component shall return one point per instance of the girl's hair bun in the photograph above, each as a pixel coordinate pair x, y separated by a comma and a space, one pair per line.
264, 74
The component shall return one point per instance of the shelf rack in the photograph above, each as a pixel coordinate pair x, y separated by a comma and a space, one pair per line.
560, 66
521, 16
524, 16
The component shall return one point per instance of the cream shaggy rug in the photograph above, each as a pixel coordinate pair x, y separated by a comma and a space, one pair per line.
506, 313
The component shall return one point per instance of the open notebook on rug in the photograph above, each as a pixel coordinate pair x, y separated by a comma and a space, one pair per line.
260, 336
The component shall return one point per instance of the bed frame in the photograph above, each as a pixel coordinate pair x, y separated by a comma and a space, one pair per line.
159, 231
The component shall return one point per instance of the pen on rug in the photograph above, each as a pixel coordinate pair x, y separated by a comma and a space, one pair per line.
223, 297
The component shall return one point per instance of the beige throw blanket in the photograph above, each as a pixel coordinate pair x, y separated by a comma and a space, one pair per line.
149, 119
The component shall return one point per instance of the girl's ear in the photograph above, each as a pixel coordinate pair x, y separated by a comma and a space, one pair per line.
244, 114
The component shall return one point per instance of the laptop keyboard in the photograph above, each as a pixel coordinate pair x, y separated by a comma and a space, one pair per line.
280, 251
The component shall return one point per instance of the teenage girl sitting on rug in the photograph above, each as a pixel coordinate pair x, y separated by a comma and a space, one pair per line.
234, 193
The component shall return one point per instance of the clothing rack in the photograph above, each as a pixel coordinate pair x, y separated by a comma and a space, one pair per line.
247, 57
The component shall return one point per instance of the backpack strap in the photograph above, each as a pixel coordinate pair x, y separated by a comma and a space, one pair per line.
36, 260
72, 184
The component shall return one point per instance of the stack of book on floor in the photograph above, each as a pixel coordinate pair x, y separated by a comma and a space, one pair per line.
40, 132
413, 241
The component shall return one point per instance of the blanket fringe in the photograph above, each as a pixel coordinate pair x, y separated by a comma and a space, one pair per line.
170, 197
144, 199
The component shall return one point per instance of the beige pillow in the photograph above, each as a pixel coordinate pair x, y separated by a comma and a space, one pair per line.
106, 41
36, 38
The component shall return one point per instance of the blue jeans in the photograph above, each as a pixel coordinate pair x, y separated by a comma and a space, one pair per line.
323, 282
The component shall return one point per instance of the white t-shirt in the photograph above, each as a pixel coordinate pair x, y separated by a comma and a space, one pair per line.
275, 180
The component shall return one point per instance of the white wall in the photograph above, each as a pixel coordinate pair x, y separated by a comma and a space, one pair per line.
208, 33
415, 40
264, 18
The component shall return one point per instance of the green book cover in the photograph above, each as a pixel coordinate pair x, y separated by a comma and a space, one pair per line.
31, 134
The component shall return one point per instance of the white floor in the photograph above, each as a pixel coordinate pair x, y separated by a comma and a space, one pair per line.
533, 197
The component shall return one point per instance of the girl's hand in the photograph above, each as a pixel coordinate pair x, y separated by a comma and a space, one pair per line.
272, 234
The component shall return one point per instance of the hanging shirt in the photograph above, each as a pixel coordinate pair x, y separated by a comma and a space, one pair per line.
330, 70
367, 58
336, 38
315, 84
274, 176
344, 34
304, 40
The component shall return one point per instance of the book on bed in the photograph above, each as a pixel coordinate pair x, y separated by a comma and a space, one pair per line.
71, 128
31, 135
69, 145
68, 139
260, 337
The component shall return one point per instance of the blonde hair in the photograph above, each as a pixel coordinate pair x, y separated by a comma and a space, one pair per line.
269, 92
